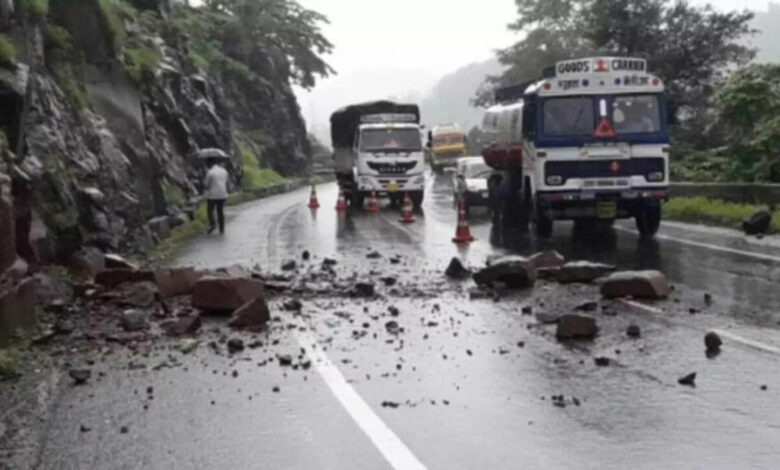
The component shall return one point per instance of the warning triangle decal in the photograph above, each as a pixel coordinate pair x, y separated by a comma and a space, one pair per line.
604, 129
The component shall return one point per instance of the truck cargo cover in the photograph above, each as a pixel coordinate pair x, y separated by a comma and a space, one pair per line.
345, 121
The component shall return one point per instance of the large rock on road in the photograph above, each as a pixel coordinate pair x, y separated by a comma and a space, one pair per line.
254, 313
581, 271
576, 326
514, 271
638, 284
225, 294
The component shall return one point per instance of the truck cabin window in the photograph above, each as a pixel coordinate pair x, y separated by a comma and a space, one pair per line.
636, 114
568, 116
390, 140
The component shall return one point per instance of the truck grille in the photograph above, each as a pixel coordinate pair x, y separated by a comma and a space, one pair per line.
392, 168
604, 168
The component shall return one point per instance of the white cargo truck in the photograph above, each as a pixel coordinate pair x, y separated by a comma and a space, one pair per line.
378, 149
588, 141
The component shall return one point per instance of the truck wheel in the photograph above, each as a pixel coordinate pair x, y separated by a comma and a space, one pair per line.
648, 221
357, 200
513, 207
417, 198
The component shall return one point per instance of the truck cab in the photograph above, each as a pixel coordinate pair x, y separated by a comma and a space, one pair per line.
588, 142
378, 149
447, 144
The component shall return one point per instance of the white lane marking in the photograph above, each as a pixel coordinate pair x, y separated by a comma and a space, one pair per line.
749, 342
710, 246
736, 338
386, 441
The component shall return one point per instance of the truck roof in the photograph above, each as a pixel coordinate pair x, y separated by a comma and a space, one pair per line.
391, 125
588, 76
345, 121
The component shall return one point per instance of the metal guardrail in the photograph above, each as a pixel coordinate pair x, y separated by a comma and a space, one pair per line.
749, 193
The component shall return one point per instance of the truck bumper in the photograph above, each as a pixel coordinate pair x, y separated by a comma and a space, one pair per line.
391, 183
445, 161
590, 205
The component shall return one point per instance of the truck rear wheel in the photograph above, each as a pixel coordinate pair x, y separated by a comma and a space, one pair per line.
648, 220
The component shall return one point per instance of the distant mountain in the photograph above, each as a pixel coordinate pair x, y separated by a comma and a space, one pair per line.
766, 41
449, 99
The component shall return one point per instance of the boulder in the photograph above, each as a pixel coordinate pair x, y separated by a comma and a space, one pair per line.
182, 326
757, 223
160, 227
114, 277
456, 270
252, 314
514, 271
134, 320
177, 281
633, 331
140, 295
637, 284
225, 294
581, 271
363, 289
88, 262
576, 326
289, 265
548, 259
17, 307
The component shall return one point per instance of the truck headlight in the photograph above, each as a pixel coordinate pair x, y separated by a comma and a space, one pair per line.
554, 180
655, 176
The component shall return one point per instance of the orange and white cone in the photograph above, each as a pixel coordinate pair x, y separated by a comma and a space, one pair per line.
462, 233
373, 205
341, 205
406, 210
313, 202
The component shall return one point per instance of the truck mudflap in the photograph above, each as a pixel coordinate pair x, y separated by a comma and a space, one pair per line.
607, 206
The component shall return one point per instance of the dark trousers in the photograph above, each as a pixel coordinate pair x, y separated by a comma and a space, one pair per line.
217, 205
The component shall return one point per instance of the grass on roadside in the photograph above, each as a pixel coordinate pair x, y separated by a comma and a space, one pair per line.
713, 212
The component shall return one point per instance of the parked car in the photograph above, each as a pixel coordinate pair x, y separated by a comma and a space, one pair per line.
471, 180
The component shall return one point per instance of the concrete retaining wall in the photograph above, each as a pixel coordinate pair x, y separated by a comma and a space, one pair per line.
750, 193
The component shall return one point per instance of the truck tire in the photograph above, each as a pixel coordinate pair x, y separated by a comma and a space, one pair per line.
417, 198
514, 210
648, 220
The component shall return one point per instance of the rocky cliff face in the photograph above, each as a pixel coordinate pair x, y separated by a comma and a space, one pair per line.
104, 109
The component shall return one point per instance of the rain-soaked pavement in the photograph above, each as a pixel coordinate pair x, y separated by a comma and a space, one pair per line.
467, 383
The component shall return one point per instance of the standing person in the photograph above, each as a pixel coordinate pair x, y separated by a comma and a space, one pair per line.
216, 194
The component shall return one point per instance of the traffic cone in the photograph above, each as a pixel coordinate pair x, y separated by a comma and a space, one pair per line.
313, 202
462, 233
373, 206
341, 205
406, 210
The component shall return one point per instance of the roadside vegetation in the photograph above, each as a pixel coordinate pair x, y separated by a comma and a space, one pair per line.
706, 211
7, 51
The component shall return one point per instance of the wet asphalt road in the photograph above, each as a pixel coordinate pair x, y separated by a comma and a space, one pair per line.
473, 380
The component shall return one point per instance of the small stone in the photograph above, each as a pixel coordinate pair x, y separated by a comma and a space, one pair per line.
134, 320
306, 256
374, 255
235, 345
764, 388
124, 430
707, 299
602, 361
393, 310
80, 376
589, 306
456, 270
289, 265
275, 389
85, 428
689, 380
712, 341
633, 331
527, 310
576, 326
235, 374
284, 360
389, 404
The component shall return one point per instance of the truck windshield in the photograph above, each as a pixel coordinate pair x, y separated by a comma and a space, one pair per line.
390, 140
568, 116
448, 139
635, 114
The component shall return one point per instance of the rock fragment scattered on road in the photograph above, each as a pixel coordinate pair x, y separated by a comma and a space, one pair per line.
548, 260
581, 272
576, 326
515, 272
456, 270
633, 331
637, 284
80, 376
712, 342
689, 380
254, 313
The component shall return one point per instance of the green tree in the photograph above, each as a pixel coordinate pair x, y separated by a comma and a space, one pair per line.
749, 105
690, 47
